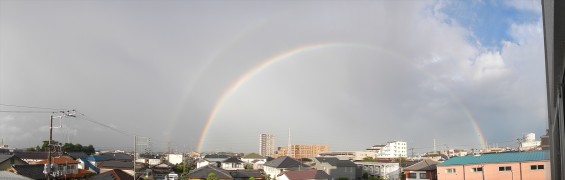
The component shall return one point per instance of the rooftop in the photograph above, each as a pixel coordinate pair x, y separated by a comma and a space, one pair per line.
499, 158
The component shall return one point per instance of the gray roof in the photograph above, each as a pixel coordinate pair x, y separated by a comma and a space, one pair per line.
33, 171
233, 160
246, 174
5, 157
117, 156
32, 155
77, 155
424, 165
112, 175
284, 162
116, 165
333, 161
12, 176
202, 173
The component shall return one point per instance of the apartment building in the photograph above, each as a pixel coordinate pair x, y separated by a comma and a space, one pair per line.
266, 145
392, 149
302, 151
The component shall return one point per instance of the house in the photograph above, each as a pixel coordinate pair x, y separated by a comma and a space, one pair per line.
84, 163
425, 169
310, 174
245, 174
277, 166
385, 170
216, 157
63, 167
251, 157
32, 157
112, 165
12, 176
336, 168
116, 156
161, 171
175, 158
115, 174
7, 161
232, 163
33, 171
531, 165
203, 172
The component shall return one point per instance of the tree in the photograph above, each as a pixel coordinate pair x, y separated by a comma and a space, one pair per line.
248, 166
252, 178
368, 159
212, 176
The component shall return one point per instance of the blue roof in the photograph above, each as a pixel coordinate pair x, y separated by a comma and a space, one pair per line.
498, 158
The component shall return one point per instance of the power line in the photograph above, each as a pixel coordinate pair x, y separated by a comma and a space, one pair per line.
26, 111
33, 107
104, 125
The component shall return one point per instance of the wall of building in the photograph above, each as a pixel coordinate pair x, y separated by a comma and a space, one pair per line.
302, 151
519, 170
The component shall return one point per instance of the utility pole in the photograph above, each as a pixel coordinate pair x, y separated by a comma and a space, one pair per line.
49, 145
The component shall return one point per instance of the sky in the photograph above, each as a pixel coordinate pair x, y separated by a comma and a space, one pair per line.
213, 75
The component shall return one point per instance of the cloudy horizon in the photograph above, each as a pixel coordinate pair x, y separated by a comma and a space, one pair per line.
346, 74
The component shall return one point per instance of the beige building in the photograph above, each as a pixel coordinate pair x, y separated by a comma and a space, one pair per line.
302, 151
266, 145
530, 165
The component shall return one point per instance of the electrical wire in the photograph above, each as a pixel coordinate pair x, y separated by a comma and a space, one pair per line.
4, 111
33, 107
103, 125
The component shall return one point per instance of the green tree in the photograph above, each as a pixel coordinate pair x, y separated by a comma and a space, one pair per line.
212, 176
252, 178
368, 159
248, 166
30, 149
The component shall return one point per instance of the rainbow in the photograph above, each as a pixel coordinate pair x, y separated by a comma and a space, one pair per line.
288, 55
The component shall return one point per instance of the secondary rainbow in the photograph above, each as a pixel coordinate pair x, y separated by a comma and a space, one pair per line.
287, 55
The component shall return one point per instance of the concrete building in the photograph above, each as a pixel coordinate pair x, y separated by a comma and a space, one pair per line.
175, 158
266, 145
385, 170
349, 155
554, 36
531, 165
392, 149
529, 143
302, 151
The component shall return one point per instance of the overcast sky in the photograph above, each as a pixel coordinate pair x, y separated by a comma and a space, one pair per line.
350, 74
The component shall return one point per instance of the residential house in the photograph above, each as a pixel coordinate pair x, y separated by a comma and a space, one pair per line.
253, 157
203, 162
161, 171
277, 166
33, 171
245, 174
203, 172
310, 174
32, 157
111, 165
337, 168
7, 161
64, 167
425, 169
530, 165
232, 163
175, 158
385, 170
84, 163
115, 174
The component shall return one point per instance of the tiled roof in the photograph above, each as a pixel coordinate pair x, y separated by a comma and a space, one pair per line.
233, 160
283, 162
115, 174
58, 160
202, 173
5, 157
95, 158
117, 156
12, 176
77, 155
336, 162
424, 165
33, 171
116, 165
306, 174
253, 156
542, 155
246, 174
32, 155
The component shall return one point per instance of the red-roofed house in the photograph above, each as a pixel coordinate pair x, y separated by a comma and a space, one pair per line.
310, 174
65, 167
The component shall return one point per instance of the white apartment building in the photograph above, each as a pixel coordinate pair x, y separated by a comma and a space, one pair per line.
266, 145
529, 142
392, 149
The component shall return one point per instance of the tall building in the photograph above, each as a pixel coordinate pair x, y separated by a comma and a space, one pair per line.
554, 36
302, 151
529, 143
266, 145
392, 149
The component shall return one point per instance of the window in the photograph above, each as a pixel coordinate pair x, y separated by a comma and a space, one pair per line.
505, 168
451, 170
423, 176
478, 169
412, 176
536, 167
